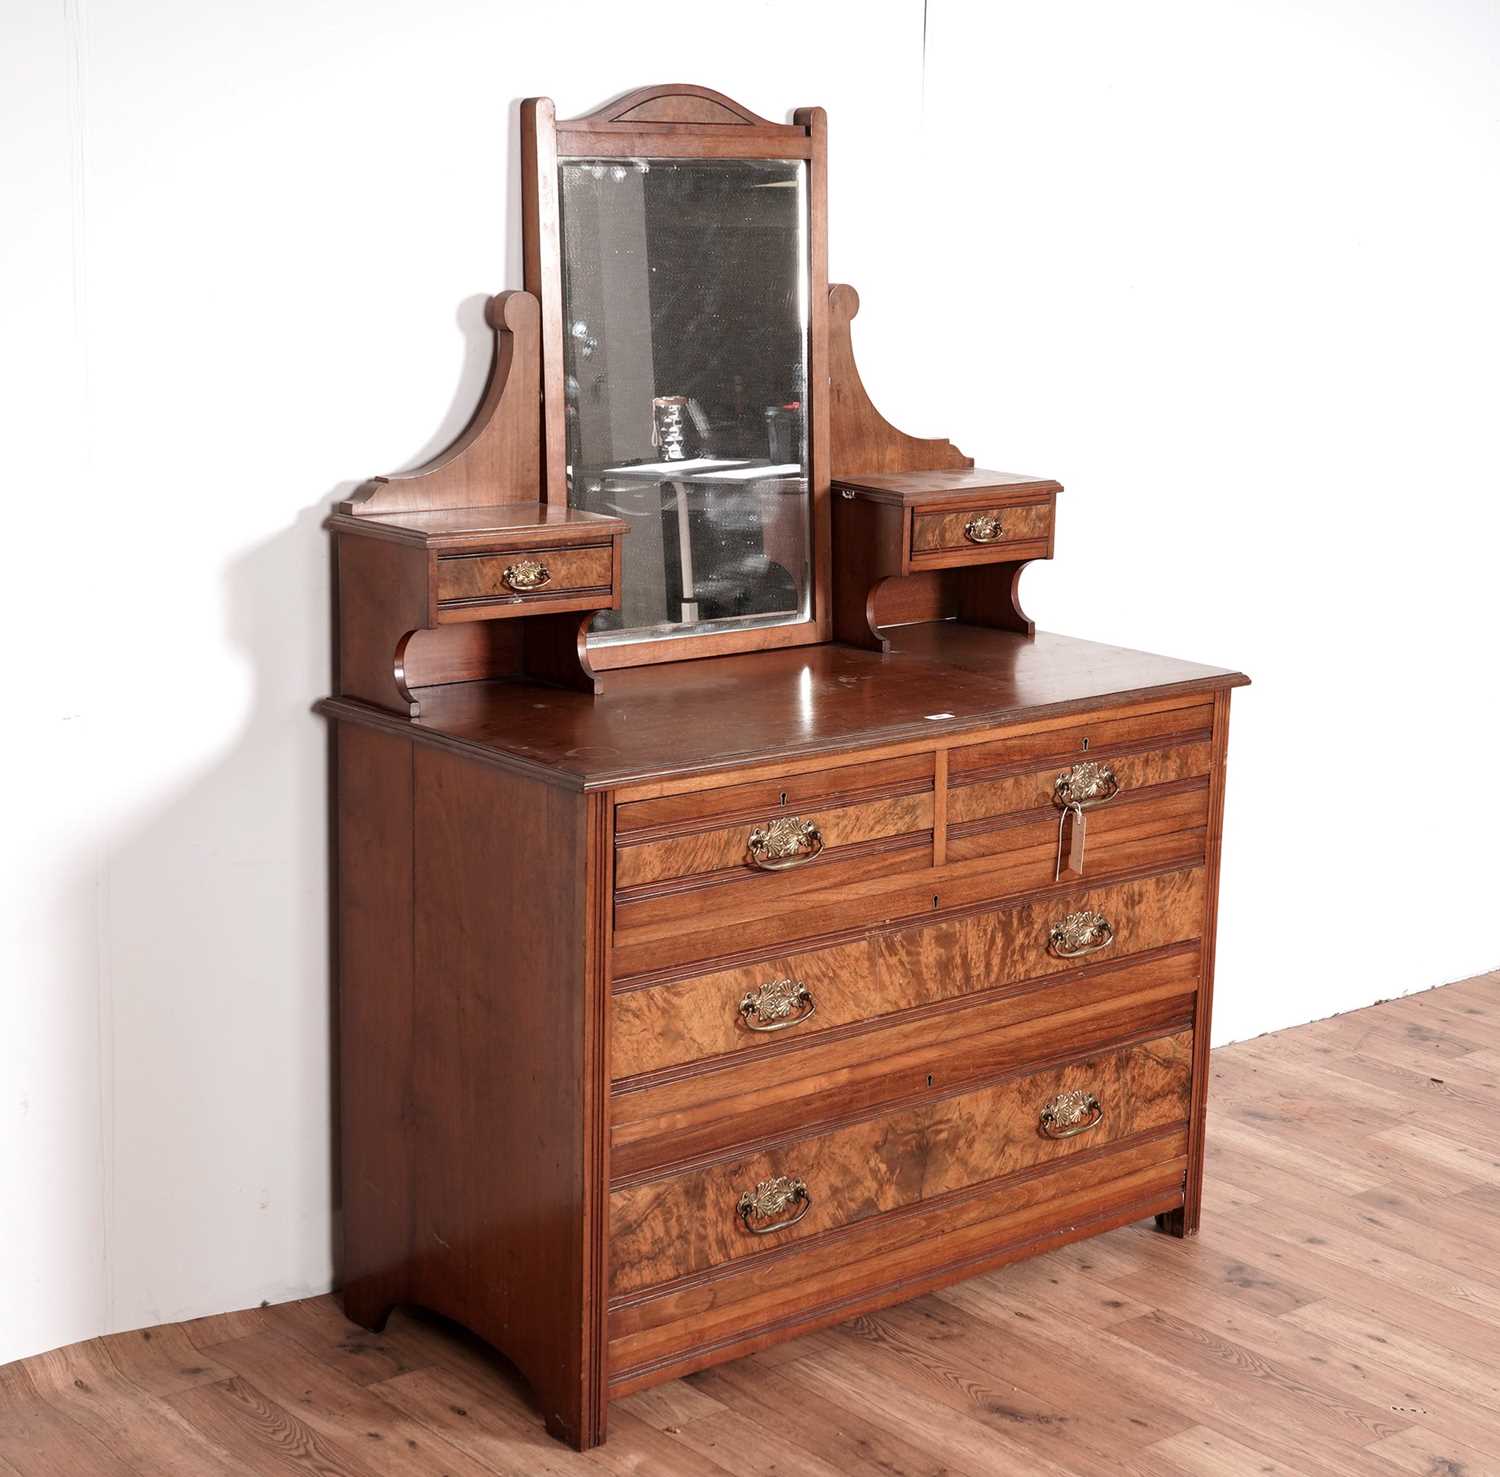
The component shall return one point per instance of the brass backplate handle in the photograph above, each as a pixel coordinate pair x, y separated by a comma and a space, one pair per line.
1070, 1113
771, 1197
1085, 785
984, 528
777, 1006
784, 843
526, 574
1079, 934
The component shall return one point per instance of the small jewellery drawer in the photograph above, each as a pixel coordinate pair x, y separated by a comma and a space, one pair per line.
798, 996
802, 1186
523, 577
972, 531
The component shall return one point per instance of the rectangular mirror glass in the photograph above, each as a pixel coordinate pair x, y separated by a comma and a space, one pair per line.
685, 349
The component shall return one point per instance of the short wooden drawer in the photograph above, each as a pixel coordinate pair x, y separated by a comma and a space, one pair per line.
889, 1257
523, 578
798, 996
798, 1188
681, 860
1116, 772
972, 533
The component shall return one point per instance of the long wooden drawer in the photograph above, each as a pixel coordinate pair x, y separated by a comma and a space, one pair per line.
743, 1305
681, 1020
677, 1118
706, 1216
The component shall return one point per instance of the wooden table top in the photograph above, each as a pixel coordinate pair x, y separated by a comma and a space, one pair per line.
688, 717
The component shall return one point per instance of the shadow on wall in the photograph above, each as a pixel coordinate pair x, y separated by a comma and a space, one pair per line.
222, 1012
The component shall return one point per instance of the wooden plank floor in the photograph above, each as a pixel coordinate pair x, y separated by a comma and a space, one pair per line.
1340, 1314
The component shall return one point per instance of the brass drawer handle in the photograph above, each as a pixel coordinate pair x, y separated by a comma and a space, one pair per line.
788, 842
771, 1007
526, 574
1079, 934
984, 528
1085, 785
771, 1197
1070, 1113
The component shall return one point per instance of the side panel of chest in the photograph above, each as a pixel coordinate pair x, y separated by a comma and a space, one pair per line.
472, 1049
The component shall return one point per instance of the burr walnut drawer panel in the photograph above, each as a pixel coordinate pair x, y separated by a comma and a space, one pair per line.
777, 1003
1153, 726
803, 1185
522, 577
1112, 775
973, 532
658, 1123
868, 1263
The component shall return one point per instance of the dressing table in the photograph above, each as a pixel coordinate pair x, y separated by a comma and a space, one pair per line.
745, 918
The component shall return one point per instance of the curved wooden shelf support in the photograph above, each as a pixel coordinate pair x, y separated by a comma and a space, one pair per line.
862, 440
497, 458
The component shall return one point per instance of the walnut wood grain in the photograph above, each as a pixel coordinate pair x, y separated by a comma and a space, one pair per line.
726, 849
1035, 788
483, 973
935, 533
1025, 844
689, 906
663, 934
879, 1259
686, 1223
891, 970
775, 791
1091, 739
661, 1125
373, 816
474, 577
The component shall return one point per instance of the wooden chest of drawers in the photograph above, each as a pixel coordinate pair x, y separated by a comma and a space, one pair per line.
675, 1023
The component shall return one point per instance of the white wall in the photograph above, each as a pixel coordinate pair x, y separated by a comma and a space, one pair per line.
1230, 276
1224, 270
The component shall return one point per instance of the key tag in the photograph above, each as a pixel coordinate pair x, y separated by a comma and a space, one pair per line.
1071, 843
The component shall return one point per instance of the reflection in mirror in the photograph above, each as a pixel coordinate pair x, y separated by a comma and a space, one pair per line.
685, 332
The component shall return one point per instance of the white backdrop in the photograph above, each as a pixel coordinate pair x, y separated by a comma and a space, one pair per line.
1225, 270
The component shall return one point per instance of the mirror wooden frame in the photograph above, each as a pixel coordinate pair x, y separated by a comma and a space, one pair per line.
678, 121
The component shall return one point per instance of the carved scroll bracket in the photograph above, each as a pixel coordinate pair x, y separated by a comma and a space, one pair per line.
863, 440
497, 458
